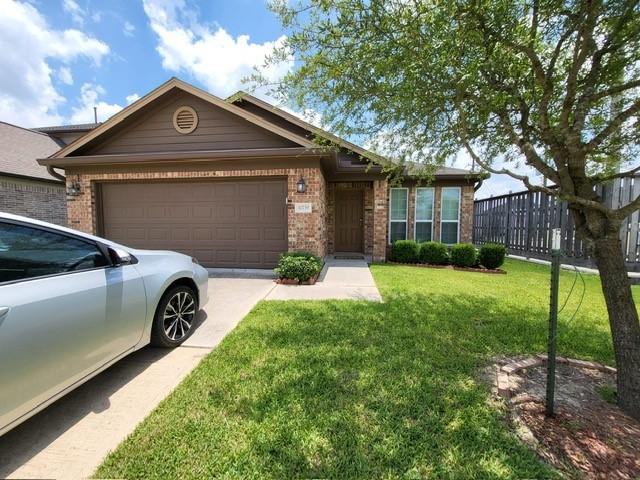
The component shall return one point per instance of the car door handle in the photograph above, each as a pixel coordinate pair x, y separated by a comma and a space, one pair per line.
4, 311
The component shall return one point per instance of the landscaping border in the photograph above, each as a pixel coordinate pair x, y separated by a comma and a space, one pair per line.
497, 271
503, 372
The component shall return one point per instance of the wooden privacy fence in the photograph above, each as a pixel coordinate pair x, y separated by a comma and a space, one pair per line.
523, 222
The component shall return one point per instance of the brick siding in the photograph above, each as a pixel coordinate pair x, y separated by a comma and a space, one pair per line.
39, 200
380, 223
311, 232
306, 231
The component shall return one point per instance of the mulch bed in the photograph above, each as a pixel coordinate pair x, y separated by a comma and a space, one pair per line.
498, 271
588, 437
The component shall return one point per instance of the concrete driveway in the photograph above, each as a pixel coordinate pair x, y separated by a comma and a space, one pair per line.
70, 438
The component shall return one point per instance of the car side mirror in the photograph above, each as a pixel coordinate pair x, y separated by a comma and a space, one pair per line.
119, 257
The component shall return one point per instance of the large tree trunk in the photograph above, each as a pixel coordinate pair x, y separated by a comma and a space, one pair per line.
623, 319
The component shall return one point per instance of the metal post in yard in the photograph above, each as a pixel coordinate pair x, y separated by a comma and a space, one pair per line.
556, 255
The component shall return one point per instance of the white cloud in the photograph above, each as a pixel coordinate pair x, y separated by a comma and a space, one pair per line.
211, 55
90, 97
128, 28
73, 9
132, 98
65, 76
27, 45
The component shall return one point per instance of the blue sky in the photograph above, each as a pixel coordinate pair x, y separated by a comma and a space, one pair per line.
67, 56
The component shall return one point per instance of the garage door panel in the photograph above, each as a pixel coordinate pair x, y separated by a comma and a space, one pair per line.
250, 233
202, 234
223, 223
278, 234
180, 234
225, 190
251, 190
249, 212
271, 258
250, 257
158, 234
179, 211
274, 211
228, 233
200, 211
225, 212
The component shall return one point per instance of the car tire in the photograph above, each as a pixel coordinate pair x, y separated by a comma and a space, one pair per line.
175, 317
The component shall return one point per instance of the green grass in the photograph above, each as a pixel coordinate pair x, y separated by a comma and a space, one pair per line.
345, 389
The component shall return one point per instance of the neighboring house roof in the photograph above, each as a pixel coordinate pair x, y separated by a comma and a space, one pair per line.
80, 127
171, 84
241, 96
19, 150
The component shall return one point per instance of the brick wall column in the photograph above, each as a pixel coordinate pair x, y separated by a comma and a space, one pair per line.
466, 214
81, 209
381, 207
308, 231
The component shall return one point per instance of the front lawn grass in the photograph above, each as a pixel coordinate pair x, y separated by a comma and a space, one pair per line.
346, 389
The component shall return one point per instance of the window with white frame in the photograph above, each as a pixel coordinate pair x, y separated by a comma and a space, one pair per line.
450, 215
423, 228
398, 203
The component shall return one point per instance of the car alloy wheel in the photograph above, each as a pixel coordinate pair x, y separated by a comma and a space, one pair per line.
178, 315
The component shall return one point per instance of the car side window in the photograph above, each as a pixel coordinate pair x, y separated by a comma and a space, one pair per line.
30, 252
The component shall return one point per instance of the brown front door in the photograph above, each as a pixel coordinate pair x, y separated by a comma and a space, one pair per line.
349, 220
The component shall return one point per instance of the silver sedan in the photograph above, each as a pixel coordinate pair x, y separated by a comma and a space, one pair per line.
72, 304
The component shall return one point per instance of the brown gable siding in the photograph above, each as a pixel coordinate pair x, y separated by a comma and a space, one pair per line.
273, 118
346, 158
152, 131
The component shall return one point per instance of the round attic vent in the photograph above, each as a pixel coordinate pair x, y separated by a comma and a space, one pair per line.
185, 119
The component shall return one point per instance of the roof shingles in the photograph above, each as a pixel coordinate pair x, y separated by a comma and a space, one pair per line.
21, 147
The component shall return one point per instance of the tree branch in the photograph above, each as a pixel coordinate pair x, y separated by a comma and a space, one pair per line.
613, 126
614, 90
584, 44
606, 178
462, 134
503, 171
527, 149
628, 209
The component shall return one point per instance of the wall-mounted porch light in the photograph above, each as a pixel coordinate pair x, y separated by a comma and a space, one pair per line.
301, 187
74, 189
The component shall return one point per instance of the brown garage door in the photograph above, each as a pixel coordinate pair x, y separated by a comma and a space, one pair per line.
222, 223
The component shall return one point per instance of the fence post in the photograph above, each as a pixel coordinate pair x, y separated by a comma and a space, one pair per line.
529, 220
508, 234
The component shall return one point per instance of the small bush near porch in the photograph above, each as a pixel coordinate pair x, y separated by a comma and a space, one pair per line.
346, 389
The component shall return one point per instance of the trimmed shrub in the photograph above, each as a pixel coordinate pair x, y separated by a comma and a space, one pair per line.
405, 251
463, 255
492, 255
434, 252
301, 253
300, 266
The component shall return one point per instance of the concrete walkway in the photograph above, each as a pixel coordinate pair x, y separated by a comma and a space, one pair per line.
340, 279
70, 438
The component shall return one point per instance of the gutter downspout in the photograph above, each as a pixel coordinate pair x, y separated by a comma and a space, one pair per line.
55, 174
478, 185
